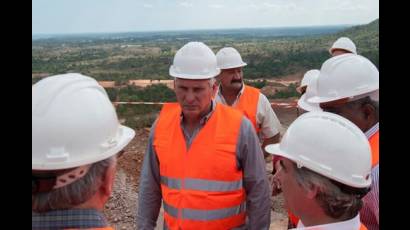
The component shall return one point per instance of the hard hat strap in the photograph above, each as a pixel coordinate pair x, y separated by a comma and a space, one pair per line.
71, 176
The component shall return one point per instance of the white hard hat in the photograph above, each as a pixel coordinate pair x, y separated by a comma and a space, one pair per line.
311, 90
343, 43
329, 145
345, 76
228, 58
307, 77
73, 123
194, 60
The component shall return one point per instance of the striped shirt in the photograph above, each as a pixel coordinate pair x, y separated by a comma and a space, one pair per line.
369, 214
369, 133
72, 218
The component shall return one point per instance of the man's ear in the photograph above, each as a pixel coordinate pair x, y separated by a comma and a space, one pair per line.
108, 180
312, 192
369, 112
215, 88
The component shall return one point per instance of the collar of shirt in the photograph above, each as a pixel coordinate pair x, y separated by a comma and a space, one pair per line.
351, 224
369, 133
220, 98
71, 218
189, 138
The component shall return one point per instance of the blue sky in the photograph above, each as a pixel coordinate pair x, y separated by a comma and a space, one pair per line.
83, 16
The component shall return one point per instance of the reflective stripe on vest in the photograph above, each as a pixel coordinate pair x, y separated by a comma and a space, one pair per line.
202, 187
204, 215
374, 145
248, 104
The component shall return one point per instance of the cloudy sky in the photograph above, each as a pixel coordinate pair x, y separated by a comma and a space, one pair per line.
83, 16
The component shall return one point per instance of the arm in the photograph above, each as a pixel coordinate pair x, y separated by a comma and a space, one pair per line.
250, 160
271, 140
268, 122
149, 200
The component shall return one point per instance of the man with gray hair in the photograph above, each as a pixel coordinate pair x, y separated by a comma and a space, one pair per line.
76, 137
203, 161
323, 178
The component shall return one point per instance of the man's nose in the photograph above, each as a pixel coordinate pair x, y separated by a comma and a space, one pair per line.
190, 97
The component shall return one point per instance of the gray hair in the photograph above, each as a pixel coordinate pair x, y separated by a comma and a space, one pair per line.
334, 202
75, 193
211, 81
363, 101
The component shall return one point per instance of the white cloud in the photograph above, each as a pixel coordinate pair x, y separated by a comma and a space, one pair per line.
185, 4
270, 5
254, 6
216, 6
148, 6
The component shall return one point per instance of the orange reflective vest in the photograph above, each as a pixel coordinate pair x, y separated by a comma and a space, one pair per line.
374, 145
248, 104
362, 227
293, 219
201, 186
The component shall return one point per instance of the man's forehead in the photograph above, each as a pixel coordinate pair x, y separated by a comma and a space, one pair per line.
191, 82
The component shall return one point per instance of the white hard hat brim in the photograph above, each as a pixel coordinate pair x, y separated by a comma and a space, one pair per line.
233, 66
174, 73
126, 135
319, 99
275, 150
302, 103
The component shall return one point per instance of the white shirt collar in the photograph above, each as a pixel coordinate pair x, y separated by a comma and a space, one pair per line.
352, 224
220, 98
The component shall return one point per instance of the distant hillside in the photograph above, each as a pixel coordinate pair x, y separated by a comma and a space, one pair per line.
366, 38
269, 52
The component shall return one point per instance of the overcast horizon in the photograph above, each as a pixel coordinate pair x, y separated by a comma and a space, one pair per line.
121, 16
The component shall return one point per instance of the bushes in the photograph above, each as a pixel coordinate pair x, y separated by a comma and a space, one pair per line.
289, 92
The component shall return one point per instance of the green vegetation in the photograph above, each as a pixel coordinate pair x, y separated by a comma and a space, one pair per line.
290, 91
257, 84
126, 56
138, 116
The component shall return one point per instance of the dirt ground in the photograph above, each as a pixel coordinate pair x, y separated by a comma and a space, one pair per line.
122, 206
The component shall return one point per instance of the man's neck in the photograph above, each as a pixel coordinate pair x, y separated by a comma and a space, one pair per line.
95, 202
194, 122
230, 95
320, 219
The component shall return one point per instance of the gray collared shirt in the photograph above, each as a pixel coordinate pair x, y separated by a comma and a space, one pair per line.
249, 158
190, 137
